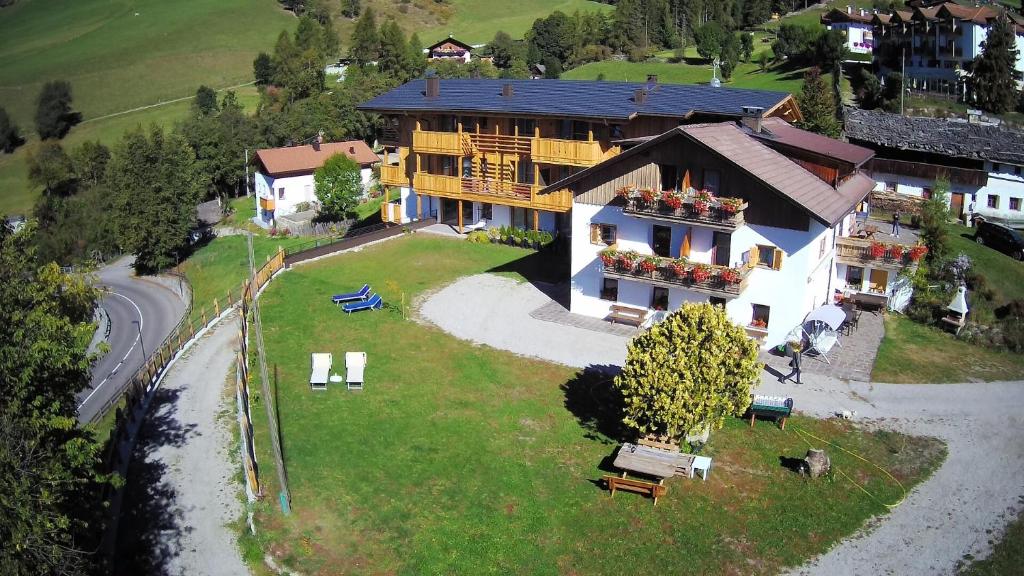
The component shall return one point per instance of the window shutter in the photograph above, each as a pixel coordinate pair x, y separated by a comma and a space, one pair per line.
777, 263
753, 258
595, 234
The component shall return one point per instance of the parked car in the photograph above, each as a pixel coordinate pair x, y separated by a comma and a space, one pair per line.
999, 237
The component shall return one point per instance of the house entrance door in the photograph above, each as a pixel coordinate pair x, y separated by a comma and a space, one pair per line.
956, 204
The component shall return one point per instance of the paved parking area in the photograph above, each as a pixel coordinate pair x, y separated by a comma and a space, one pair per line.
851, 359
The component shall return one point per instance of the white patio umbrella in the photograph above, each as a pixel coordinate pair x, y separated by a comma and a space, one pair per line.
831, 315
824, 321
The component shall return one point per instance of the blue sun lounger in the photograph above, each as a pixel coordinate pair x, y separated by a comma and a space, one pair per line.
374, 303
361, 295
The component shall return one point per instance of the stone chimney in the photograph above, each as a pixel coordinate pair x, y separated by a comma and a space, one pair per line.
433, 87
507, 90
640, 96
752, 118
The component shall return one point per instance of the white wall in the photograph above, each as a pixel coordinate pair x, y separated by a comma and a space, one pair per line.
1004, 183
297, 189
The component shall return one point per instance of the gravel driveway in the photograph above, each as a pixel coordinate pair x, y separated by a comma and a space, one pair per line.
182, 489
976, 491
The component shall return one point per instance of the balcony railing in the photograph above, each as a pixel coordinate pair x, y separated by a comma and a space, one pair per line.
511, 190
713, 214
543, 150
447, 143
496, 191
393, 175
571, 152
449, 186
866, 252
707, 279
484, 142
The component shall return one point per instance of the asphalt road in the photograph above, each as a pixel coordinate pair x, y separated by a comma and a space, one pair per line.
142, 313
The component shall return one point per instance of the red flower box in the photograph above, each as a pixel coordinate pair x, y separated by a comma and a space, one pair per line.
648, 265
608, 260
647, 195
700, 206
877, 250
896, 251
700, 273
676, 269
672, 200
917, 252
729, 276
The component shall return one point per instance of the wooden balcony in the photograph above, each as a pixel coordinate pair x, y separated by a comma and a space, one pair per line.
858, 252
499, 189
267, 204
570, 152
391, 212
498, 143
436, 185
492, 191
393, 175
715, 217
666, 277
447, 143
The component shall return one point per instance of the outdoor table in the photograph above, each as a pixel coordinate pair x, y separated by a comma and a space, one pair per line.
650, 461
702, 463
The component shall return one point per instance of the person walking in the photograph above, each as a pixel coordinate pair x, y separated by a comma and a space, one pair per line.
896, 223
794, 353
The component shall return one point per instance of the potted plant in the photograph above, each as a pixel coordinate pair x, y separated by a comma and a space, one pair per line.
676, 268
917, 252
896, 251
876, 250
626, 260
503, 234
608, 257
672, 200
647, 196
730, 206
700, 273
545, 238
649, 264
759, 324
493, 235
533, 237
729, 276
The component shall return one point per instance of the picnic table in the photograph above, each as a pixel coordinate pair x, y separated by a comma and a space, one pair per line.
652, 461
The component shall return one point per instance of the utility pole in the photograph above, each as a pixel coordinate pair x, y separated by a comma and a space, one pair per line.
247, 173
903, 77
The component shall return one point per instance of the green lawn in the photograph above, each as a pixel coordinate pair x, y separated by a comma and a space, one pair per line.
1004, 274
460, 459
476, 21
747, 75
1007, 555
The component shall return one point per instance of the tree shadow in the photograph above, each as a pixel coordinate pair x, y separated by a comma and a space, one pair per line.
151, 525
546, 266
597, 406
792, 464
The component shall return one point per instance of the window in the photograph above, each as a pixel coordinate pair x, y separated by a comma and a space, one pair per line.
993, 201
524, 172
854, 277
519, 218
995, 166
926, 193
716, 301
280, 193
662, 241
606, 234
610, 289
1016, 170
712, 181
659, 298
766, 257
760, 316
1015, 204
669, 177
486, 211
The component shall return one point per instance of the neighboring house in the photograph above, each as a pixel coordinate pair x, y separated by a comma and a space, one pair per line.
284, 178
938, 42
984, 164
476, 153
794, 195
450, 49
856, 24
538, 71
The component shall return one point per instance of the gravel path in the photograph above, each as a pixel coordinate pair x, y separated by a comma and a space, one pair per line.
182, 487
965, 503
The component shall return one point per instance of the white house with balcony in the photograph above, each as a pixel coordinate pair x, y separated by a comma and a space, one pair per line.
856, 24
750, 217
284, 176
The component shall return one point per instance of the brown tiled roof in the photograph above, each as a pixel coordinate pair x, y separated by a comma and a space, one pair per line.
778, 130
976, 14
306, 159
787, 178
837, 15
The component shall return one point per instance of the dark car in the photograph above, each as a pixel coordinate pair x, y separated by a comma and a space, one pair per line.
1002, 238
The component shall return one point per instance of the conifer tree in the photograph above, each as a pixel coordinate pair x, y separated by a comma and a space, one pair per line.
365, 40
992, 82
818, 105
393, 51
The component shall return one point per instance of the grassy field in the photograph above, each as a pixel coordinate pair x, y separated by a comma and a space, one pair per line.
747, 75
476, 21
460, 459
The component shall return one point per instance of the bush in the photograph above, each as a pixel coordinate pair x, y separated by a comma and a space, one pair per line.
478, 237
927, 308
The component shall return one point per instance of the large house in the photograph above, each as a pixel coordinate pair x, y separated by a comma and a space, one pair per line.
284, 176
450, 49
755, 217
984, 164
856, 24
938, 42
477, 153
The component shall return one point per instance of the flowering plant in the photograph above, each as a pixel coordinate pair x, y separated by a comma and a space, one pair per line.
700, 272
626, 260
758, 323
729, 275
730, 205
704, 195
647, 195
608, 257
672, 200
896, 251
625, 191
917, 252
649, 264
700, 206
876, 250
677, 268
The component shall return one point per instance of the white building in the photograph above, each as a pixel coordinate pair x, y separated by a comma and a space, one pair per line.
450, 49
983, 163
856, 24
772, 239
284, 178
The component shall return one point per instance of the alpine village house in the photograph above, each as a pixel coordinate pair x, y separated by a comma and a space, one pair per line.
666, 193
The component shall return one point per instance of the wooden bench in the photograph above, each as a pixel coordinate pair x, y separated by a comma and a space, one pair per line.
639, 486
774, 407
652, 443
627, 315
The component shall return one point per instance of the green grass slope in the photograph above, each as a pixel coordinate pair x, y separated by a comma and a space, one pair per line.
476, 21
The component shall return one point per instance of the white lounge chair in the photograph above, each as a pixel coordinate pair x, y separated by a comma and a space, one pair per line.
355, 363
321, 370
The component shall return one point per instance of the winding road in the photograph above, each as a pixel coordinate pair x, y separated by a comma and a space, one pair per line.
142, 312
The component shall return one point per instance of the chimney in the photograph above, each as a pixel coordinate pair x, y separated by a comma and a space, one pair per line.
652, 80
433, 87
863, 12
849, 9
752, 117
507, 90
640, 96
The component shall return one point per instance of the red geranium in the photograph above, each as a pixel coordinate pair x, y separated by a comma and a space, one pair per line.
877, 250
608, 258
896, 251
677, 269
700, 206
917, 252
729, 275
649, 264
700, 273
647, 195
625, 261
672, 200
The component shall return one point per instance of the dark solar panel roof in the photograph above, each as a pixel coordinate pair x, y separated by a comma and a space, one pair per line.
572, 98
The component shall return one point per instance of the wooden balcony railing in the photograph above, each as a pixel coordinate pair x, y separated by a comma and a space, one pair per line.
866, 252
495, 191
435, 185
518, 145
544, 150
715, 216
497, 188
571, 152
447, 143
707, 279
393, 175
391, 212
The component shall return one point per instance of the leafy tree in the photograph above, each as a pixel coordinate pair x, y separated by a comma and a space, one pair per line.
155, 185
687, 373
554, 37
50, 168
10, 136
338, 186
794, 42
351, 8
934, 214
756, 12
89, 162
746, 46
219, 142
517, 71
729, 56
992, 80
503, 49
708, 40
54, 116
627, 27
818, 105
552, 69
205, 102
870, 93
764, 60
830, 51
49, 466
263, 69
365, 41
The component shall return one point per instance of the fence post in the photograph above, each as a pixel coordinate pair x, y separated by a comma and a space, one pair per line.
216, 308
